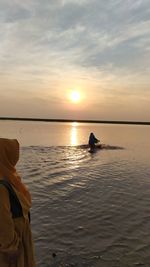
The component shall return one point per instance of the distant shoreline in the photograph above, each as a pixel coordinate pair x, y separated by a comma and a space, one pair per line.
81, 121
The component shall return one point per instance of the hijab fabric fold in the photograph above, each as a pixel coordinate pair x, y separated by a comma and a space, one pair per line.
9, 156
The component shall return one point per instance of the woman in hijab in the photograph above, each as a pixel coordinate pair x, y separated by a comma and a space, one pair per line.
16, 246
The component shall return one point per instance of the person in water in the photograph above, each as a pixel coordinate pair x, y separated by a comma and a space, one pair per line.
92, 141
16, 244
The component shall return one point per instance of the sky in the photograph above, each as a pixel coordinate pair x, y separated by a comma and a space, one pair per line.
99, 48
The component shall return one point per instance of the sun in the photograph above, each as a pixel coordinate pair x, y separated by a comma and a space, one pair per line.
75, 96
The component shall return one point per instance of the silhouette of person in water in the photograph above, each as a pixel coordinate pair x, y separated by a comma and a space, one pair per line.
92, 141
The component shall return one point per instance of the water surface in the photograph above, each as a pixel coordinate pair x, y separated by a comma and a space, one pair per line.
90, 210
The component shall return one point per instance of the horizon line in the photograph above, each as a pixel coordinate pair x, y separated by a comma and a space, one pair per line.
77, 120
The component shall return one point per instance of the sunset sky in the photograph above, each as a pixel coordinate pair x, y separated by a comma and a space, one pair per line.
98, 49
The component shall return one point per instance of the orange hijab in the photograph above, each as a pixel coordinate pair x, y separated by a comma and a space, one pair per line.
9, 156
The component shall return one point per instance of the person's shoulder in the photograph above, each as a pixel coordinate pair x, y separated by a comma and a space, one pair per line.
4, 198
3, 191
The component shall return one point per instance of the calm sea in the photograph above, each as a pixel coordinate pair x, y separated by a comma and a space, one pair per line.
88, 209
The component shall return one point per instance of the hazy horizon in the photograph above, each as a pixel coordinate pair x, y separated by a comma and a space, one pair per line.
49, 49
36, 119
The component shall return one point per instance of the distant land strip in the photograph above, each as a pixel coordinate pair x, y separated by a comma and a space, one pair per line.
82, 121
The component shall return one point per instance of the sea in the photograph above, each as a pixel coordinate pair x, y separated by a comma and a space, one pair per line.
88, 210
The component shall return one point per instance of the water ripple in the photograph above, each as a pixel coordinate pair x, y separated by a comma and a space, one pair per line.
91, 210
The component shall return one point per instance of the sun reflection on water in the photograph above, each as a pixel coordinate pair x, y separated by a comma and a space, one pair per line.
74, 136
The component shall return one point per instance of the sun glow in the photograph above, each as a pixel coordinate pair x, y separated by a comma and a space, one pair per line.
75, 96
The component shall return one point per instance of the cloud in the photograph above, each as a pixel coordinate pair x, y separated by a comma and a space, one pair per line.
79, 34
101, 44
